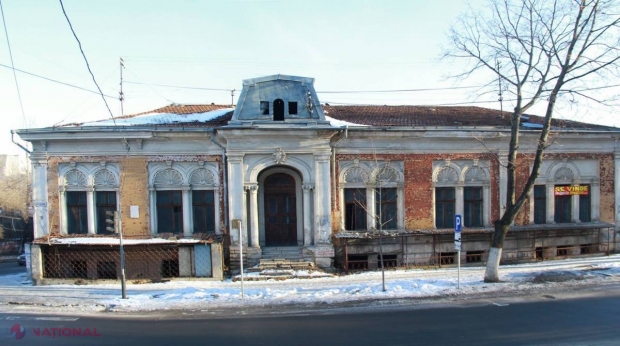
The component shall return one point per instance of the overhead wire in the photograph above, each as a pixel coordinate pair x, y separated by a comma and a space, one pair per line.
92, 74
19, 95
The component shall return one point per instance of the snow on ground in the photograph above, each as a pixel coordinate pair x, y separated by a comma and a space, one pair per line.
16, 291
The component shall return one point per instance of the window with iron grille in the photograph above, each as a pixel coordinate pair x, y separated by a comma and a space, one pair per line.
385, 200
105, 201
563, 209
355, 209
540, 204
106, 270
472, 205
169, 212
585, 208
77, 216
203, 211
170, 268
444, 207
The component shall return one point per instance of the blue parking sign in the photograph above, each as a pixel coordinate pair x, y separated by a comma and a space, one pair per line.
458, 223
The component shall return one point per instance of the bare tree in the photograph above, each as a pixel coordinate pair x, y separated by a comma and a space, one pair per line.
543, 50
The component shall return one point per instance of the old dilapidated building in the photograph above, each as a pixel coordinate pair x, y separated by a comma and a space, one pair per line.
299, 180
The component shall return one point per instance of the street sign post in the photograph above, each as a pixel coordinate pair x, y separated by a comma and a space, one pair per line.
458, 223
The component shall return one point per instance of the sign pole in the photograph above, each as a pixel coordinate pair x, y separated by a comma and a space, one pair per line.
458, 222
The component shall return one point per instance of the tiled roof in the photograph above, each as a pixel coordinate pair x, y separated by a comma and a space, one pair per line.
431, 116
391, 116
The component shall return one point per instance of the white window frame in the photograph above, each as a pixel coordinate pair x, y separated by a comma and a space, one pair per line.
371, 175
85, 177
460, 174
186, 177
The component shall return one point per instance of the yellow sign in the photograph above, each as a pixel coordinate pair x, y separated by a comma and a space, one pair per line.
572, 190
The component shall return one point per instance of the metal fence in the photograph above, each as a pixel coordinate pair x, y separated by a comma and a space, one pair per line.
142, 262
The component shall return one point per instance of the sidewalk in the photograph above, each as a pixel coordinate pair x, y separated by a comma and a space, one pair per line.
542, 278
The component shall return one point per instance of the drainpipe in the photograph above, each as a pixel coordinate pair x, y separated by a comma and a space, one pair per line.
19, 145
225, 178
334, 189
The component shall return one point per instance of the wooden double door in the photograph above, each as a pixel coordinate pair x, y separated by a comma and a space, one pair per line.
280, 210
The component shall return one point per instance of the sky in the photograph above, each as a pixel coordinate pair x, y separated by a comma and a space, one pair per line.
192, 52
213, 295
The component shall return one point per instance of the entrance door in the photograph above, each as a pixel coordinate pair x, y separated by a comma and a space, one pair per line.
280, 210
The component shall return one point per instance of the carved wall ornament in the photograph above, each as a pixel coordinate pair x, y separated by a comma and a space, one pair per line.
75, 178
168, 177
356, 175
387, 174
279, 156
475, 174
564, 173
105, 178
447, 174
202, 176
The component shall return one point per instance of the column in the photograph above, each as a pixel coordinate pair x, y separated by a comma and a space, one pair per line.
187, 211
39, 199
307, 214
90, 209
153, 210
62, 210
574, 201
372, 215
236, 194
595, 200
254, 215
503, 180
400, 206
322, 202
459, 207
486, 206
550, 188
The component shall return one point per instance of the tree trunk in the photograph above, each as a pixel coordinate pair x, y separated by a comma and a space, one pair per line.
491, 273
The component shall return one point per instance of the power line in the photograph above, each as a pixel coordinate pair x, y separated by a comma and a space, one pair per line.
86, 60
54, 81
19, 95
179, 86
91, 73
393, 91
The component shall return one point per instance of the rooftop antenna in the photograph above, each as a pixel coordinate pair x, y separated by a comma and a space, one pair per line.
121, 96
232, 97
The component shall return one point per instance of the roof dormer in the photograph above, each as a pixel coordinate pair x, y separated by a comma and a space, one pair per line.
278, 100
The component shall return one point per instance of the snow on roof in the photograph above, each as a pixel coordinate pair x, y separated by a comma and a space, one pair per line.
340, 123
157, 118
115, 241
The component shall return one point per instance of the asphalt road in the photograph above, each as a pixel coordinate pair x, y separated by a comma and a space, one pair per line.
7, 268
587, 321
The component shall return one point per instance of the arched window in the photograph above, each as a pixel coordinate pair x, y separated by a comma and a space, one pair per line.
278, 110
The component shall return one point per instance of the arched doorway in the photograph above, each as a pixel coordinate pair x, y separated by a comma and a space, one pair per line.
280, 210
278, 110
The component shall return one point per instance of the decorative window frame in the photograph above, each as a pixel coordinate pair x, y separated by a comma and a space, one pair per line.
370, 175
569, 172
88, 177
460, 174
187, 177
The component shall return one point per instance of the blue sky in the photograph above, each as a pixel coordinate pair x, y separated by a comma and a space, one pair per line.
345, 45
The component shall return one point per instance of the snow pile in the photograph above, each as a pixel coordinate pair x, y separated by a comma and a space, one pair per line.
207, 295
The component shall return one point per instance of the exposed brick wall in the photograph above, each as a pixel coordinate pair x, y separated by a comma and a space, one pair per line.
133, 187
418, 189
134, 191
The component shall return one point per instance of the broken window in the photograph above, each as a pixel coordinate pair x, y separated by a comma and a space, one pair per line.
385, 199
540, 204
204, 211
292, 108
106, 201
355, 209
473, 206
444, 207
169, 211
77, 219
264, 107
